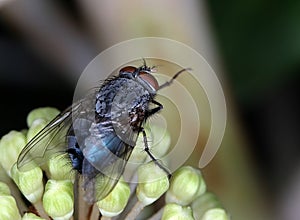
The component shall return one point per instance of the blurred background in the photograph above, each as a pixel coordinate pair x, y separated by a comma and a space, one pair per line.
253, 47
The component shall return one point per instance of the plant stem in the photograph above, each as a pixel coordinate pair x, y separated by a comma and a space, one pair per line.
135, 211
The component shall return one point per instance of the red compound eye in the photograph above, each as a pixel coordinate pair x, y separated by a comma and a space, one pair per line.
149, 79
128, 69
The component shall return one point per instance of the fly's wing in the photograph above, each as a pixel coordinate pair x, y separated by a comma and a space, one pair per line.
99, 184
106, 156
49, 141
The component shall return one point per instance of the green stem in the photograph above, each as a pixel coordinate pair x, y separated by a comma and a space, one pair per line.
40, 209
135, 211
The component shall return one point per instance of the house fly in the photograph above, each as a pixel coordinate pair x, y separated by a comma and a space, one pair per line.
99, 132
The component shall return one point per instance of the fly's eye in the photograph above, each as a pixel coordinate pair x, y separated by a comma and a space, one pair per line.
127, 69
150, 79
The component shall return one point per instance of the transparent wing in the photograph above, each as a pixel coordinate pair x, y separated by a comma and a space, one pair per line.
49, 141
106, 154
98, 184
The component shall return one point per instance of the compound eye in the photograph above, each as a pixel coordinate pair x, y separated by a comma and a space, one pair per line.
150, 79
128, 69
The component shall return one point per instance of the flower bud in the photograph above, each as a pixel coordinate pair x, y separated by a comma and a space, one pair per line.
138, 154
153, 182
58, 199
9, 209
60, 168
113, 204
31, 216
161, 141
174, 211
29, 182
204, 202
186, 184
11, 145
4, 189
36, 126
46, 113
215, 214
38, 118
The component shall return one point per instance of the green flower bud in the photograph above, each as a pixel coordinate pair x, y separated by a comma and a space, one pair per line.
173, 211
159, 141
11, 145
204, 202
46, 113
215, 214
58, 199
60, 168
30, 182
31, 216
24, 131
8, 208
113, 204
153, 182
38, 118
36, 126
4, 189
186, 184
138, 154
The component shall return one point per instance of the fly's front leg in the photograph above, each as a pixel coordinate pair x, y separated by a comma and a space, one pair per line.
151, 155
156, 109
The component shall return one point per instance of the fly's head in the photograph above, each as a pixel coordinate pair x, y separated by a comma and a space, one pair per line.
143, 74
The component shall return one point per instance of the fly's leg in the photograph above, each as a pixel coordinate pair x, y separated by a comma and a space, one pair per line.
174, 77
156, 109
151, 155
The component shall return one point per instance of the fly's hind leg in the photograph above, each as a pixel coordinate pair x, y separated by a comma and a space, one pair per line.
151, 155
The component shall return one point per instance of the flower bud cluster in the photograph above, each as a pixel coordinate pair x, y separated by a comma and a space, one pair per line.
50, 189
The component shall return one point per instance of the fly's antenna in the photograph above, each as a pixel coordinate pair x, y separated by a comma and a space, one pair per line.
174, 77
144, 62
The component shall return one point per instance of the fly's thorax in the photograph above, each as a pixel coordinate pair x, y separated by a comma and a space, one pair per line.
123, 101
128, 110
106, 94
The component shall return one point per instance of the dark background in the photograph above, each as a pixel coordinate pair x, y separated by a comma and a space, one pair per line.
258, 42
